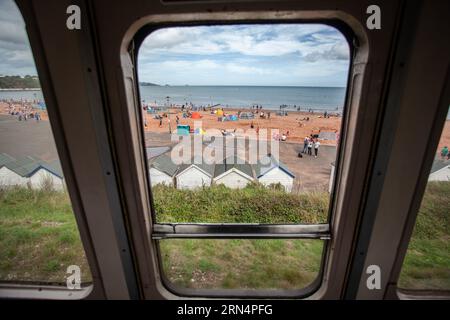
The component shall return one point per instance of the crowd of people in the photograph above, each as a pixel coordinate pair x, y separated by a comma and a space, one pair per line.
22, 110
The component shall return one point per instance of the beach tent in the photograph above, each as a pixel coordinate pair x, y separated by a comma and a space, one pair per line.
282, 113
183, 130
232, 117
196, 115
199, 131
247, 115
327, 135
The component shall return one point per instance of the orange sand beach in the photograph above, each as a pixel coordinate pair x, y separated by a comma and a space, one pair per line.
293, 122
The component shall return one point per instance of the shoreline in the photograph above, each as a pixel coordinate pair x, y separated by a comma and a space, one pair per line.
20, 89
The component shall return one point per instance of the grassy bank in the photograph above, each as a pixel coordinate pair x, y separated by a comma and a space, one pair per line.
427, 263
39, 238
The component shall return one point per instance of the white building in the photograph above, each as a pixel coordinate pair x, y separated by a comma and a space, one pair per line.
440, 171
11, 171
274, 172
191, 176
29, 171
162, 171
233, 173
43, 175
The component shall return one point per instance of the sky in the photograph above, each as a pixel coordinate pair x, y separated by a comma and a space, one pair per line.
272, 55
15, 51
262, 55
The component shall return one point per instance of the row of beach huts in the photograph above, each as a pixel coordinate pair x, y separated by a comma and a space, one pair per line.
231, 172
36, 173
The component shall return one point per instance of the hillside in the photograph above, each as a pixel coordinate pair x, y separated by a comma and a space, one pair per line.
18, 82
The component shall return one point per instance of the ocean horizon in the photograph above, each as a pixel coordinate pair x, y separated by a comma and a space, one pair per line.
269, 97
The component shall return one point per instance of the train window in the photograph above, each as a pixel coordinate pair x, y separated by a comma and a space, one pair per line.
39, 238
242, 124
427, 261
241, 264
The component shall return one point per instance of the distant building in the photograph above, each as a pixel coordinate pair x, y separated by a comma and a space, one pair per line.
162, 171
274, 172
440, 171
233, 173
192, 176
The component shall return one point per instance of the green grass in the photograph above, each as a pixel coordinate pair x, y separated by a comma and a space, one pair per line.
253, 204
427, 263
39, 238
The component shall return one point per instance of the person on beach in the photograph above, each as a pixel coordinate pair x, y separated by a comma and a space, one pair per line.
160, 122
444, 152
316, 148
310, 145
305, 144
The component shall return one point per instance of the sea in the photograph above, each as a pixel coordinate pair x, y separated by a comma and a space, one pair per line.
314, 98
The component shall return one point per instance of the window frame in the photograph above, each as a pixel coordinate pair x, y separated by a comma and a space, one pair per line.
107, 50
251, 230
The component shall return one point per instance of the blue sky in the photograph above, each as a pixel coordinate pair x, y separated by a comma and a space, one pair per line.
273, 55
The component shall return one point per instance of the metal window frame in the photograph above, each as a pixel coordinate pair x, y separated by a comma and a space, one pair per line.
356, 75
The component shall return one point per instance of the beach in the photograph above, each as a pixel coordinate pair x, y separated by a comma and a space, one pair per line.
294, 123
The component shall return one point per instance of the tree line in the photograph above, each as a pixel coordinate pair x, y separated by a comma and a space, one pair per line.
18, 82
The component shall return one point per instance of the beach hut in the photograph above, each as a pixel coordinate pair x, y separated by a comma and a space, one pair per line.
183, 130
8, 176
29, 171
233, 173
11, 173
45, 174
440, 171
274, 172
162, 170
192, 176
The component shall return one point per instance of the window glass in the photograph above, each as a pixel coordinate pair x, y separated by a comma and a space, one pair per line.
39, 239
427, 262
241, 264
242, 122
